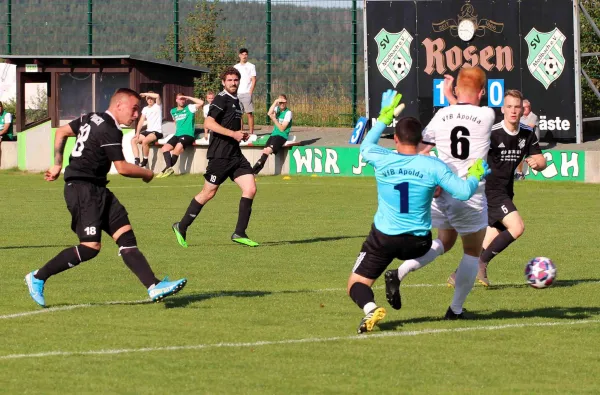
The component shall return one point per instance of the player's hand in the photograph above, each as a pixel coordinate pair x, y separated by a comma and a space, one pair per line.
390, 106
53, 173
448, 84
480, 169
531, 162
238, 136
437, 192
246, 136
148, 177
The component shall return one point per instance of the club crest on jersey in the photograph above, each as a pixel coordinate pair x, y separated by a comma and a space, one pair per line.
393, 55
545, 60
521, 143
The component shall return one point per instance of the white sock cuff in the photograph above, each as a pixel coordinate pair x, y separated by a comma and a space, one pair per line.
471, 260
438, 246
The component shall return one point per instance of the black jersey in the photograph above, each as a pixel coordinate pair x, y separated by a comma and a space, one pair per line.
98, 144
227, 111
507, 150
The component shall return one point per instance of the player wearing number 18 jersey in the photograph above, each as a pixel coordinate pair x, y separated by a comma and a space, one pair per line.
460, 133
510, 143
93, 207
406, 183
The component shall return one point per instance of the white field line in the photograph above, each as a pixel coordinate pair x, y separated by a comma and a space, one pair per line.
295, 341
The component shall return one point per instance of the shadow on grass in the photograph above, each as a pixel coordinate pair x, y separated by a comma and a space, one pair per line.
45, 246
567, 313
557, 284
185, 300
313, 240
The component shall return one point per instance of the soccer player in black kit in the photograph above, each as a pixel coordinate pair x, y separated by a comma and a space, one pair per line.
93, 207
225, 160
510, 142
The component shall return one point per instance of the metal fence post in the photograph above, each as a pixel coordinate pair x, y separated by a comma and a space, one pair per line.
176, 29
267, 120
354, 63
90, 29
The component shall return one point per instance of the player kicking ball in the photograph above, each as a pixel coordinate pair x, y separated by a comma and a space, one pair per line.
406, 182
511, 141
93, 207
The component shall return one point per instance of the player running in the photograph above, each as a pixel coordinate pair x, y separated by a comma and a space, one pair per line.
461, 133
511, 141
406, 183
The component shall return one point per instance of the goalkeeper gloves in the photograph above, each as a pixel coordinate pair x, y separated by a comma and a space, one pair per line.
390, 106
480, 169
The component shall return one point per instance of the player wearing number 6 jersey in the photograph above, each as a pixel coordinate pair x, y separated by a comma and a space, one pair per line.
461, 133
93, 207
406, 183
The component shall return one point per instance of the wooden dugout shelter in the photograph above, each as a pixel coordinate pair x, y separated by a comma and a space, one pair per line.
82, 84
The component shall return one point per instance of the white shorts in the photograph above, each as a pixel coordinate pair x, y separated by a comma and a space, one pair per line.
465, 217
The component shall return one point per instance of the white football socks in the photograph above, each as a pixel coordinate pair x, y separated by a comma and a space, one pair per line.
437, 249
369, 307
465, 278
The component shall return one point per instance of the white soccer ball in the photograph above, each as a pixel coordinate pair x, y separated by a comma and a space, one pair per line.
540, 272
551, 66
401, 67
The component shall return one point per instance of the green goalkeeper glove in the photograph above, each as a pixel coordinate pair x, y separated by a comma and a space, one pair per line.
480, 169
390, 107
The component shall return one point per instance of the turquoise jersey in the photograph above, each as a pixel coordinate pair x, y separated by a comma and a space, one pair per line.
405, 186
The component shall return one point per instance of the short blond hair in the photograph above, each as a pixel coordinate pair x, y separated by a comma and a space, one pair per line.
471, 80
516, 94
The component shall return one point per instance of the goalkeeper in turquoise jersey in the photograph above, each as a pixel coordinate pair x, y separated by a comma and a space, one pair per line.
406, 183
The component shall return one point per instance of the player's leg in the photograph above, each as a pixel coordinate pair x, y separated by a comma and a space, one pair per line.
166, 151
444, 242
376, 253
116, 224
85, 202
260, 163
244, 177
134, 147
514, 229
149, 140
215, 175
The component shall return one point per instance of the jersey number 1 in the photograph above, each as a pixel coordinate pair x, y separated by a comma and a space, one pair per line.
403, 189
462, 141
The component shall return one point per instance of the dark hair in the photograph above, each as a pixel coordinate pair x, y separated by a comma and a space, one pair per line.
242, 50
408, 130
230, 71
128, 92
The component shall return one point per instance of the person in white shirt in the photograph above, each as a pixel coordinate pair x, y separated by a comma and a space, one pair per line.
530, 119
461, 133
210, 96
247, 84
152, 117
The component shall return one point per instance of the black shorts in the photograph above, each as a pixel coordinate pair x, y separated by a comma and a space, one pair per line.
93, 209
219, 169
186, 141
275, 143
145, 133
379, 250
4, 137
499, 206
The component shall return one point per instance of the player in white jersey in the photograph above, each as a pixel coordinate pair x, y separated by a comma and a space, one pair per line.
461, 133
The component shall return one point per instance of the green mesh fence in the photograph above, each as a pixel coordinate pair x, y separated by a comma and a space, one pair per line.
310, 50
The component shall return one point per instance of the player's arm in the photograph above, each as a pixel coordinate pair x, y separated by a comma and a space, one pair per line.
155, 96
424, 148
537, 162
211, 124
457, 187
140, 125
130, 170
273, 107
197, 102
390, 108
60, 140
281, 126
252, 80
448, 93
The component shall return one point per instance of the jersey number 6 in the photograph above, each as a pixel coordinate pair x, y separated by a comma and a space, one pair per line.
463, 141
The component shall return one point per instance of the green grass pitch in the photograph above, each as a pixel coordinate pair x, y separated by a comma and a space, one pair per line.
276, 319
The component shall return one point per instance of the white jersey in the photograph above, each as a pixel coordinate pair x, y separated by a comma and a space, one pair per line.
247, 71
461, 133
153, 117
